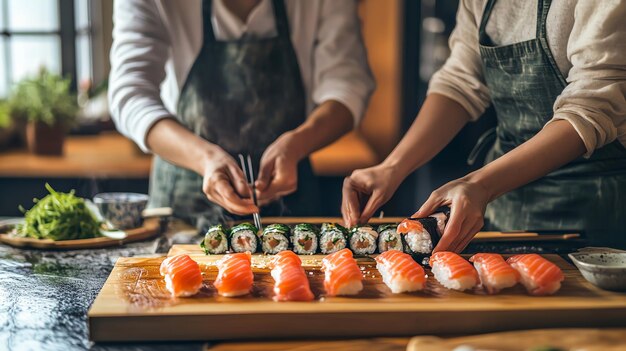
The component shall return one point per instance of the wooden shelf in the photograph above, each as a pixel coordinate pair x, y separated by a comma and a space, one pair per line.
107, 155
110, 155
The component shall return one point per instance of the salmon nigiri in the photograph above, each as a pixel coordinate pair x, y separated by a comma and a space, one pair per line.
400, 272
235, 276
291, 283
342, 274
182, 275
538, 275
453, 271
495, 274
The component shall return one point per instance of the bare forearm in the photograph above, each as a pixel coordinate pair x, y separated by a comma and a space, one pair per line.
175, 143
327, 123
438, 121
554, 146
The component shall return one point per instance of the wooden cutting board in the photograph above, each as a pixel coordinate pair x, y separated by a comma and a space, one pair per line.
133, 305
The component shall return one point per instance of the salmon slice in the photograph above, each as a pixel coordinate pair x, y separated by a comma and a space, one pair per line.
538, 275
410, 225
400, 272
453, 271
342, 274
182, 275
235, 275
290, 281
495, 274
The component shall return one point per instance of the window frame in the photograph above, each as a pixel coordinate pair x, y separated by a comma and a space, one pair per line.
67, 34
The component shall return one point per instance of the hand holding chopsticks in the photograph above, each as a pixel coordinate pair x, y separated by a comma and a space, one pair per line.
249, 173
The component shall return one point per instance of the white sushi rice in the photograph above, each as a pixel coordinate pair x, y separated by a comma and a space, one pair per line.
248, 245
350, 288
306, 235
419, 242
491, 284
442, 274
332, 241
386, 238
363, 241
283, 243
396, 283
170, 287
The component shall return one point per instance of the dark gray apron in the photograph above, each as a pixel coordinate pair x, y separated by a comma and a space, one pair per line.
240, 95
585, 195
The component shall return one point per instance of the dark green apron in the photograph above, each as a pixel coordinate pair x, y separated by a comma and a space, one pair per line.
240, 95
585, 195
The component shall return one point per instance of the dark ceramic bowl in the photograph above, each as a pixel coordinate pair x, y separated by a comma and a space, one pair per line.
122, 210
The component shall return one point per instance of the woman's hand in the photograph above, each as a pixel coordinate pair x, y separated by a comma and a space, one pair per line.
278, 172
365, 190
224, 183
467, 200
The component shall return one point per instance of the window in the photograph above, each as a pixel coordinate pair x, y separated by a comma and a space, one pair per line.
56, 34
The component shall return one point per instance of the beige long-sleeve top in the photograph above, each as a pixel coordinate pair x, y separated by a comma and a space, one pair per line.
588, 41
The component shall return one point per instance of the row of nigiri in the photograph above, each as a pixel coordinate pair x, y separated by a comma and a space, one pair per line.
415, 236
342, 275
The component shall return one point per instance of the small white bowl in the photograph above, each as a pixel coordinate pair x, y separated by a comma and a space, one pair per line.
602, 267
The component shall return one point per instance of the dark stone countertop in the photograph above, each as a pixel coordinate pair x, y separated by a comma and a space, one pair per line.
45, 295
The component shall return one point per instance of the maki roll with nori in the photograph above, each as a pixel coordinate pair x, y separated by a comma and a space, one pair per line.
388, 238
363, 240
304, 239
333, 237
420, 235
215, 240
243, 237
275, 238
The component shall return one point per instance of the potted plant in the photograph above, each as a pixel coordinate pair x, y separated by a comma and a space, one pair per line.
7, 129
49, 109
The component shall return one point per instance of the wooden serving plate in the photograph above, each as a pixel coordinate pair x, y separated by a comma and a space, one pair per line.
149, 229
134, 305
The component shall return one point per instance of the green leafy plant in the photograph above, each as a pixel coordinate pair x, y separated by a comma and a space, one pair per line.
44, 98
5, 114
59, 216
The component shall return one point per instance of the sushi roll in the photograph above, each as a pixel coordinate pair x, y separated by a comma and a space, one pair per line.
342, 275
290, 281
215, 240
275, 238
235, 275
400, 272
388, 238
538, 275
420, 235
453, 271
243, 238
363, 240
333, 237
182, 275
304, 239
494, 273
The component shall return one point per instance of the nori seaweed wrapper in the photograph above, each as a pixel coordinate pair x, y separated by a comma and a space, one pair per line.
245, 226
306, 227
394, 226
277, 228
334, 227
218, 227
430, 225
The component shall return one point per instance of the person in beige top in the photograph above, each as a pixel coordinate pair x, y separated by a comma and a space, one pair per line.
555, 72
